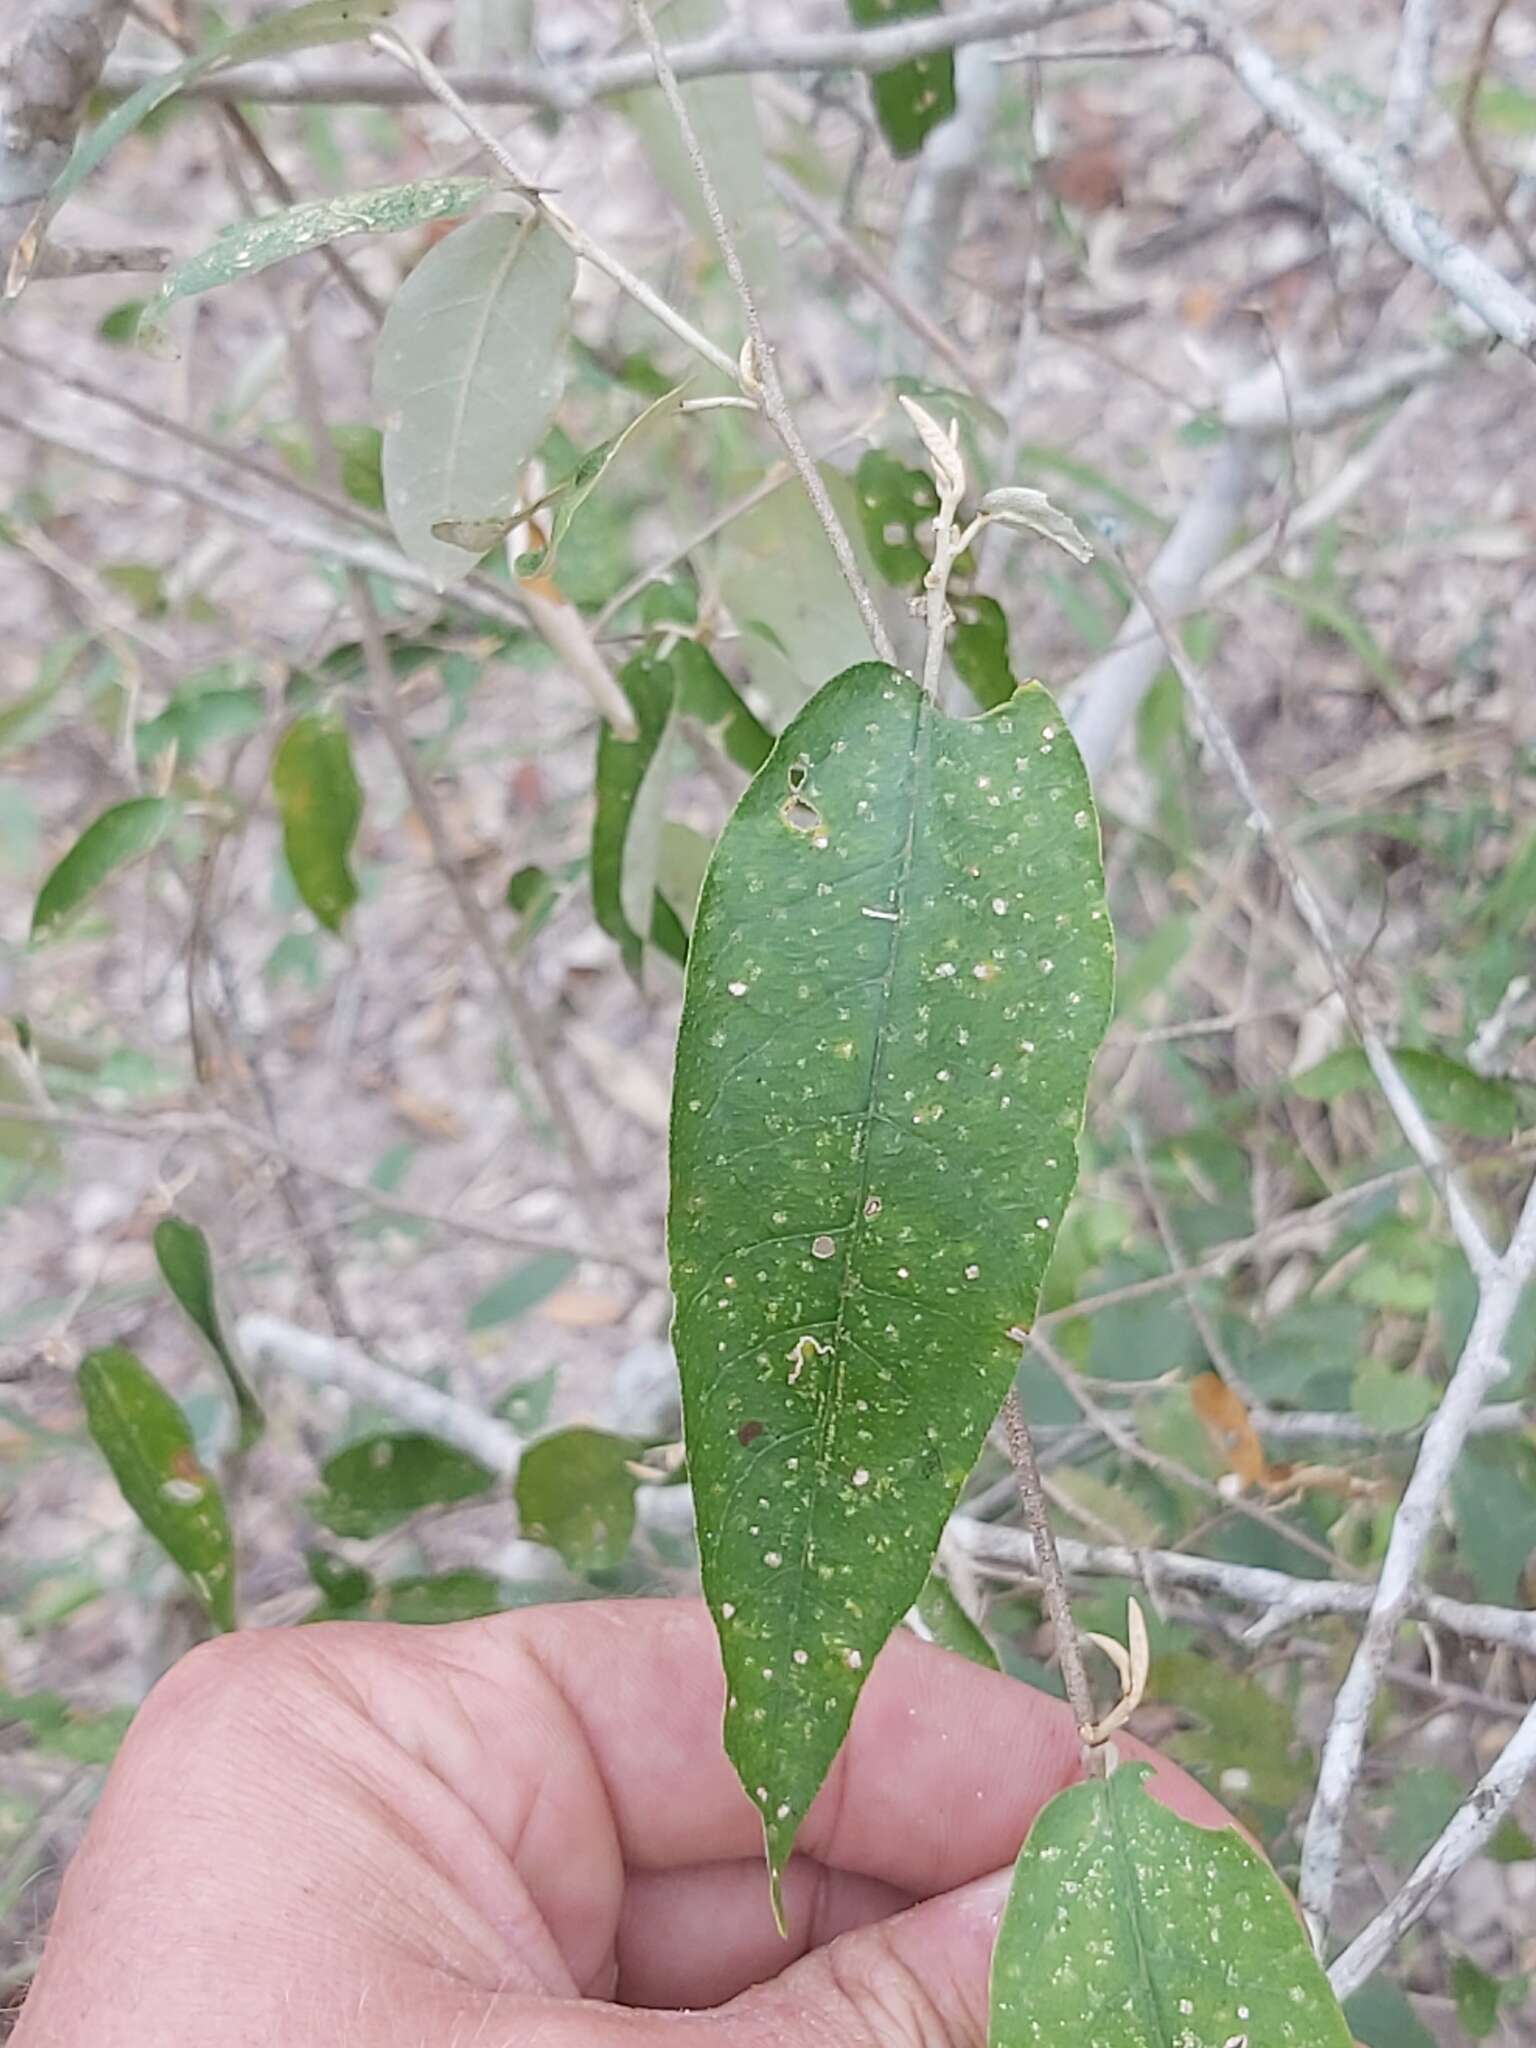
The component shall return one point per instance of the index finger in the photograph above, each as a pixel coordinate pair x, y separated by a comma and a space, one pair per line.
944, 1768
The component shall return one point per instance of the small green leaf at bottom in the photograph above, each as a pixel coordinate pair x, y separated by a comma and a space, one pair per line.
1128, 1927
321, 804
145, 1439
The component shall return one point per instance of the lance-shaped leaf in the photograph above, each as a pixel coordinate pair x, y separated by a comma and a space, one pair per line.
301, 28
121, 834
911, 98
587, 475
1131, 1928
706, 693
251, 245
632, 782
900, 970
467, 374
144, 1437
181, 1252
321, 805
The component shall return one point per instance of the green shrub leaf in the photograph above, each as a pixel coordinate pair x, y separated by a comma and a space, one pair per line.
978, 648
321, 804
706, 693
1132, 1928
145, 1439
912, 98
900, 971
125, 832
1446, 1090
633, 778
250, 245
377, 1482
467, 374
181, 1251
521, 1291
894, 501
575, 1491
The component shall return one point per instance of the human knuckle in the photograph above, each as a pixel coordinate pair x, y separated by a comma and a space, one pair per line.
885, 2000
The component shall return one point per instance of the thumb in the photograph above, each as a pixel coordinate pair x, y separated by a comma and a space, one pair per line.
917, 1980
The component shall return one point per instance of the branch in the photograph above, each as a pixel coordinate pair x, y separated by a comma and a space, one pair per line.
1480, 1367
568, 88
325, 1362
48, 71
1416, 234
1408, 92
1470, 1829
764, 372
947, 171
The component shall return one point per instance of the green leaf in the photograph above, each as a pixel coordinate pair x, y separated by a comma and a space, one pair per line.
913, 98
466, 1595
894, 501
632, 782
60, 1729
780, 579
1132, 1928
521, 1291
145, 1439
1478, 1997
706, 693
301, 28
196, 718
527, 1404
1446, 1090
247, 246
1382, 2018
978, 647
900, 972
1493, 1500
468, 371
1389, 1400
321, 805
575, 1492
345, 1586
1511, 901
1421, 1803
125, 832
1245, 1746
584, 479
377, 1482
1511, 1844
181, 1251
948, 1624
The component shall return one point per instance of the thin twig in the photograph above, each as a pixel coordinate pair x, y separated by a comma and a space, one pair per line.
575, 237
567, 88
1416, 234
1409, 90
1466, 120
1069, 1650
1470, 1829
763, 369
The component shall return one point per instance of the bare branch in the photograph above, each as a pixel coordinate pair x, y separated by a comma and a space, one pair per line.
1408, 93
947, 171
764, 371
325, 1362
567, 88
1416, 234
1470, 1829
48, 70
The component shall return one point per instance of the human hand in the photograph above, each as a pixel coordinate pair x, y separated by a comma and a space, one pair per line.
520, 1830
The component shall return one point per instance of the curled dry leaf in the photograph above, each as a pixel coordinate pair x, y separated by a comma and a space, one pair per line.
1033, 512
943, 449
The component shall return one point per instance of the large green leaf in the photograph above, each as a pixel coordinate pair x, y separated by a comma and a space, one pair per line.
181, 1252
321, 806
301, 28
632, 781
251, 245
1130, 1928
900, 971
912, 98
119, 835
576, 1492
467, 374
144, 1437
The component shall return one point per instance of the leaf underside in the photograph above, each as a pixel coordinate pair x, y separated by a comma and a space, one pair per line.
900, 971
1128, 1927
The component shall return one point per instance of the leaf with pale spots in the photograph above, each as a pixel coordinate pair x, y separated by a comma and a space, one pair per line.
145, 1439
1131, 1928
900, 971
321, 804
911, 98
